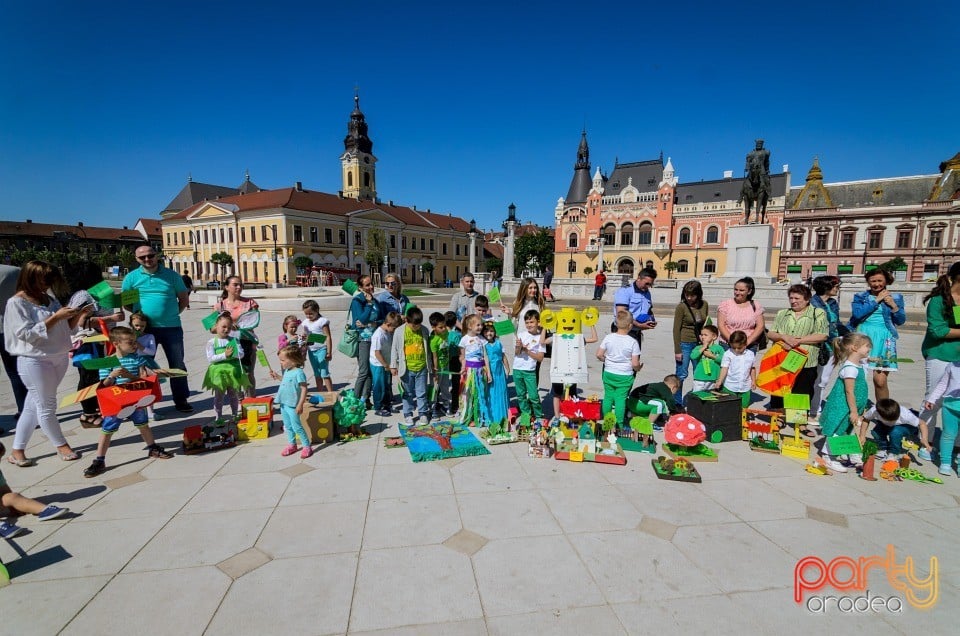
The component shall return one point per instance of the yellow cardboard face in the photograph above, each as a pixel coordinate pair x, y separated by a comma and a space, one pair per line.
568, 321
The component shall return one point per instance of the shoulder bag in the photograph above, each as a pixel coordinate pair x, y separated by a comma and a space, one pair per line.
349, 344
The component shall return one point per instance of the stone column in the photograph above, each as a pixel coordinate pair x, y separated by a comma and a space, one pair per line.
473, 252
508, 273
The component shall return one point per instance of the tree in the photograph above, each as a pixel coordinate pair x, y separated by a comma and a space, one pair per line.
670, 266
223, 260
587, 270
376, 248
126, 258
303, 262
428, 270
493, 264
894, 265
535, 248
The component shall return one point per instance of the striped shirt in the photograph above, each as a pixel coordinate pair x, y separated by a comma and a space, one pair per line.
131, 363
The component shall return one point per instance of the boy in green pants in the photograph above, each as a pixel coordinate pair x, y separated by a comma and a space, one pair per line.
620, 354
529, 351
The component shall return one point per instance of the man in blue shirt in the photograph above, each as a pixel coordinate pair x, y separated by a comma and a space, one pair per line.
163, 296
636, 299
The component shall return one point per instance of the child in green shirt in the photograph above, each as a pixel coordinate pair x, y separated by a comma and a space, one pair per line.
707, 358
440, 350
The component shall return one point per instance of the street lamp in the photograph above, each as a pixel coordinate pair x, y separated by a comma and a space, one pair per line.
276, 261
863, 266
601, 240
571, 266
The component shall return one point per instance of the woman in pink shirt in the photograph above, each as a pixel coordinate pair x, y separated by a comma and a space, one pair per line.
741, 313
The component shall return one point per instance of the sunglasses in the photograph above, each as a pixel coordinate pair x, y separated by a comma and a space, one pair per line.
146, 256
390, 284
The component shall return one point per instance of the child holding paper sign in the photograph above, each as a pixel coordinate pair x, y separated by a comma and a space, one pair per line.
848, 399
318, 349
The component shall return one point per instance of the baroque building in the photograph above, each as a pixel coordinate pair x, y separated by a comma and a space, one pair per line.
849, 227
641, 215
265, 231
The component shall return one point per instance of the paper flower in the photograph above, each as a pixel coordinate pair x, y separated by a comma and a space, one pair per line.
684, 430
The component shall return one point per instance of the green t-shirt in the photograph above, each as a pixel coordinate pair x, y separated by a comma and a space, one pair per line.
935, 344
413, 350
707, 370
158, 295
439, 346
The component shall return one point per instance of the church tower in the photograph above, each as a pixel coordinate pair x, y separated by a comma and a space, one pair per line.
359, 169
580, 184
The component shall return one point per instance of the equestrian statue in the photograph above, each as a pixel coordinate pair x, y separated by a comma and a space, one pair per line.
756, 184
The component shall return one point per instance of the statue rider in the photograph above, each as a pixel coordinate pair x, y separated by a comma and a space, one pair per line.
756, 186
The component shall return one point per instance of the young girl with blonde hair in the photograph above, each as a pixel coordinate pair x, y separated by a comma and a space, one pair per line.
849, 397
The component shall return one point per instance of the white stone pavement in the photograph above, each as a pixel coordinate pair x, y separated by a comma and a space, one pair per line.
359, 539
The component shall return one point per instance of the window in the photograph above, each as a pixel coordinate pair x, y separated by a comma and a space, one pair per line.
357, 238
432, 245
846, 240
174, 235
327, 235
903, 238
875, 240
822, 241
393, 242
796, 241
682, 267
646, 234
221, 235
206, 236
626, 234
572, 266
349, 179
457, 246
183, 238
298, 233
314, 235
684, 237
366, 179
713, 236
936, 238
443, 250
609, 236
423, 244
710, 266
342, 237
403, 242
230, 234
648, 265
572, 240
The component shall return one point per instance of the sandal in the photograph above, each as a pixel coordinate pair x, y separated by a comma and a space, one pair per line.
22, 463
72, 456
90, 421
157, 452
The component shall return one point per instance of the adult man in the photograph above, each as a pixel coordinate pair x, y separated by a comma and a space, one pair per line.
8, 287
163, 296
599, 285
636, 299
547, 277
462, 302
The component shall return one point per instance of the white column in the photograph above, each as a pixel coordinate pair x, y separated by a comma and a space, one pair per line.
508, 251
473, 252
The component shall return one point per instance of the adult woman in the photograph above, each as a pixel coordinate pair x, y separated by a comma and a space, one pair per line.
80, 278
691, 314
365, 314
825, 290
393, 298
941, 342
528, 297
232, 301
741, 313
804, 328
877, 312
37, 329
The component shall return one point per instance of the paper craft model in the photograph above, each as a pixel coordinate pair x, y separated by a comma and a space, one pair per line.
122, 400
568, 362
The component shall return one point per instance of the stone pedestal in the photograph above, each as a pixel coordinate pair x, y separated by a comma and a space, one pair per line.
748, 252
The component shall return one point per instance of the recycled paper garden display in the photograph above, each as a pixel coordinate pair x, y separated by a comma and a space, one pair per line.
441, 440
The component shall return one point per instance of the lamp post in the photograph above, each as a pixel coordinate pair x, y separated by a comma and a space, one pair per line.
696, 255
276, 261
473, 246
572, 264
196, 266
863, 265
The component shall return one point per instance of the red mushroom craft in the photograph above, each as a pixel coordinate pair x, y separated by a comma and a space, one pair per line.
684, 430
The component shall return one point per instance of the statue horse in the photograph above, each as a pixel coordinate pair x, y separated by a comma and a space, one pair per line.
753, 192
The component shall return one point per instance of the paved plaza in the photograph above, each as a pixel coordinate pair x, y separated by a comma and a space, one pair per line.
358, 539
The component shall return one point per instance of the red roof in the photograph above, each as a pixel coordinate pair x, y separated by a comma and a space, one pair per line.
24, 228
311, 201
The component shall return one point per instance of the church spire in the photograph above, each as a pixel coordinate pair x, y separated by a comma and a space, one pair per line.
580, 184
583, 153
357, 139
358, 165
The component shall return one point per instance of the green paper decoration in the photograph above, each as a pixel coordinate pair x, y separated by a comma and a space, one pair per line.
956, 314
210, 320
716, 437
349, 410
350, 286
494, 295
101, 290
93, 364
609, 421
641, 425
798, 401
844, 445
504, 327
316, 338
262, 358
793, 362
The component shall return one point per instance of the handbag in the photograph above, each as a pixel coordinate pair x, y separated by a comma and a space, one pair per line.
349, 344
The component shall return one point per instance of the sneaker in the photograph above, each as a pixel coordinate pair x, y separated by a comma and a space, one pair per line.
384, 413
923, 453
155, 417
51, 512
855, 460
156, 452
184, 408
306, 452
408, 421
95, 468
289, 450
945, 470
881, 455
834, 465
9, 531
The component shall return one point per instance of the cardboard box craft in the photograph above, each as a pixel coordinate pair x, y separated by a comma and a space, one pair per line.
317, 419
581, 409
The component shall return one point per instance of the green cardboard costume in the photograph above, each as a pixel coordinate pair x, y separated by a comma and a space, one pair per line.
226, 374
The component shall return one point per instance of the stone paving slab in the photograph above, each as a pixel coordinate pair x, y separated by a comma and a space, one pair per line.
358, 539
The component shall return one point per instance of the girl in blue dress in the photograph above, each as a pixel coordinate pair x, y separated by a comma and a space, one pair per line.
494, 407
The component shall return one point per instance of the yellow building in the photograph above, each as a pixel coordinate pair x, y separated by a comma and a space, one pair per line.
264, 231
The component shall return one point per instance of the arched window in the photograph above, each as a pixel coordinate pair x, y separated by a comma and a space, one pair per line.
625, 266
646, 233
713, 234
626, 234
609, 234
349, 179
572, 240
710, 266
684, 237
682, 266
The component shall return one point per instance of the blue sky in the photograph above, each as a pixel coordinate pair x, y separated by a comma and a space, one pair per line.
106, 107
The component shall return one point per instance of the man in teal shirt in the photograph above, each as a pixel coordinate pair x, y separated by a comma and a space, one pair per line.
162, 297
